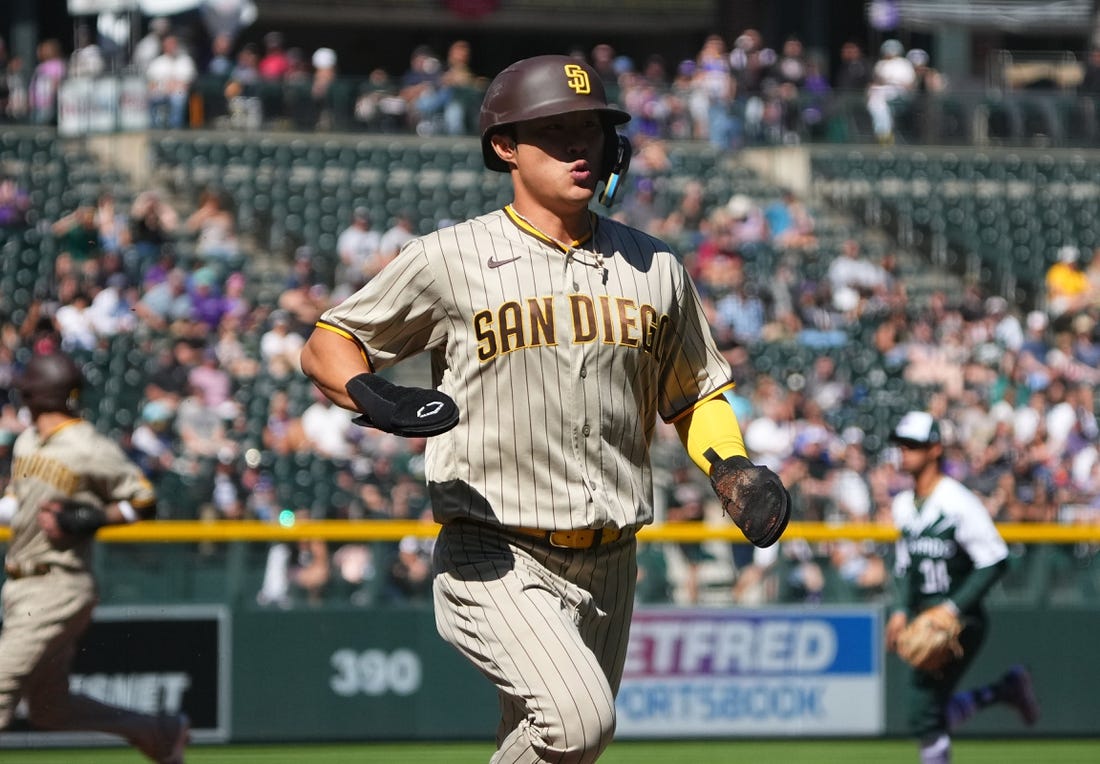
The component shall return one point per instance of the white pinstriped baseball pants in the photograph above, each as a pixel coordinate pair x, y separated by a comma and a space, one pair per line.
44, 617
547, 626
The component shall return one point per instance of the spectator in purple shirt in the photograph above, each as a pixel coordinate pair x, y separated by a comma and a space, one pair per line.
208, 304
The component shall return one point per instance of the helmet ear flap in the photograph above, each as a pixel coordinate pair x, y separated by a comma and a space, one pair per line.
72, 401
616, 161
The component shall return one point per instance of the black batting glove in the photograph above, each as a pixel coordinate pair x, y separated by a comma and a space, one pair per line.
406, 411
79, 519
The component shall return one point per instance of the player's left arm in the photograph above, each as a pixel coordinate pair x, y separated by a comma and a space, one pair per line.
753, 496
711, 426
120, 494
976, 585
705, 422
980, 539
65, 519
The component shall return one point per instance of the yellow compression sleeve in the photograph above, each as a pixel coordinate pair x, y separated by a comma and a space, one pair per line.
712, 424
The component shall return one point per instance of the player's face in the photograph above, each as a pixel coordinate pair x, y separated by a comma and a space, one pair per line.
916, 456
559, 157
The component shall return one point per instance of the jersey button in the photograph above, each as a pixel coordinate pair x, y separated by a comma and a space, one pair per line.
576, 287
586, 431
584, 372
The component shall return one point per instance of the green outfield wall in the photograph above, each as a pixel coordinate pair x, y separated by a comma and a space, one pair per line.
352, 675
250, 674
384, 674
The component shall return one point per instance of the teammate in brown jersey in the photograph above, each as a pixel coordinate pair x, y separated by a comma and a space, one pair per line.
67, 481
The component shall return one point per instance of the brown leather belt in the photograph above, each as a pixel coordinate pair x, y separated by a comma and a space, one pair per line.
586, 538
15, 572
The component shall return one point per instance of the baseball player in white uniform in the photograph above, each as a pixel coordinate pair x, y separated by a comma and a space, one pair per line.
67, 481
557, 337
949, 555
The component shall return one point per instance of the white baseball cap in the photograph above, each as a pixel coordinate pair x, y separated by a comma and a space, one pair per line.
1068, 253
918, 57
892, 48
917, 427
324, 58
1037, 321
739, 206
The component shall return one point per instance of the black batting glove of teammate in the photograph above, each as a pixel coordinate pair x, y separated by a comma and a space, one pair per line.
406, 411
79, 519
754, 497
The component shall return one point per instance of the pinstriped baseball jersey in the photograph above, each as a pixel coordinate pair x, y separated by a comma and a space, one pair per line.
560, 359
73, 461
49, 604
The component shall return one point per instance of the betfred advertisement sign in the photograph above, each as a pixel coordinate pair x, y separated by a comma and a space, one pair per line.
152, 660
722, 673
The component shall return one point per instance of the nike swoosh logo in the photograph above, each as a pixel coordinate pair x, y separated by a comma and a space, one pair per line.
492, 262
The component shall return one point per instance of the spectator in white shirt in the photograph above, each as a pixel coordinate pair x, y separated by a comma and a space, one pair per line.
396, 235
358, 247
149, 46
170, 76
74, 323
326, 427
280, 347
850, 270
892, 78
87, 58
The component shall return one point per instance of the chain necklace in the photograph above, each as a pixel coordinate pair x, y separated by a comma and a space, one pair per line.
587, 257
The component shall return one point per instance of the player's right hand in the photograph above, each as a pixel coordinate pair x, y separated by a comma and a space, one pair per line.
894, 627
47, 519
65, 521
411, 412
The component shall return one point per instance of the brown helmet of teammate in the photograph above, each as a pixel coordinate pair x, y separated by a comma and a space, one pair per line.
543, 86
50, 382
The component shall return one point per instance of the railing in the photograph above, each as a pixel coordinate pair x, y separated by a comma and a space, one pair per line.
991, 117
185, 562
221, 531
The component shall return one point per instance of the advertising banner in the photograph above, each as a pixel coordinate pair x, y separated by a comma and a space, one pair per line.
153, 660
89, 7
133, 105
774, 672
87, 105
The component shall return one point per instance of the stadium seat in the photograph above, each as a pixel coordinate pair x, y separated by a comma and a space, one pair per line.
1077, 115
1003, 120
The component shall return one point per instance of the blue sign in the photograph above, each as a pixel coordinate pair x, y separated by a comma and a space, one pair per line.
776, 671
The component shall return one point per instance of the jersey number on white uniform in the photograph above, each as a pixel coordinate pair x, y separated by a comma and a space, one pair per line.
934, 575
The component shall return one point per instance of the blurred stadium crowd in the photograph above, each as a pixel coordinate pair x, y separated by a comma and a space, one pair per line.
750, 91
190, 319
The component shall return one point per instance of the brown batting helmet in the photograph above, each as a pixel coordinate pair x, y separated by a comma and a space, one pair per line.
50, 382
541, 87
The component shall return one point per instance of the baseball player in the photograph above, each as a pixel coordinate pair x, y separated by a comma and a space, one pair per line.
557, 337
67, 481
948, 556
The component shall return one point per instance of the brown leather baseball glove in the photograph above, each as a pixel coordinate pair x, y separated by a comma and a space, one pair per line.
931, 640
753, 497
